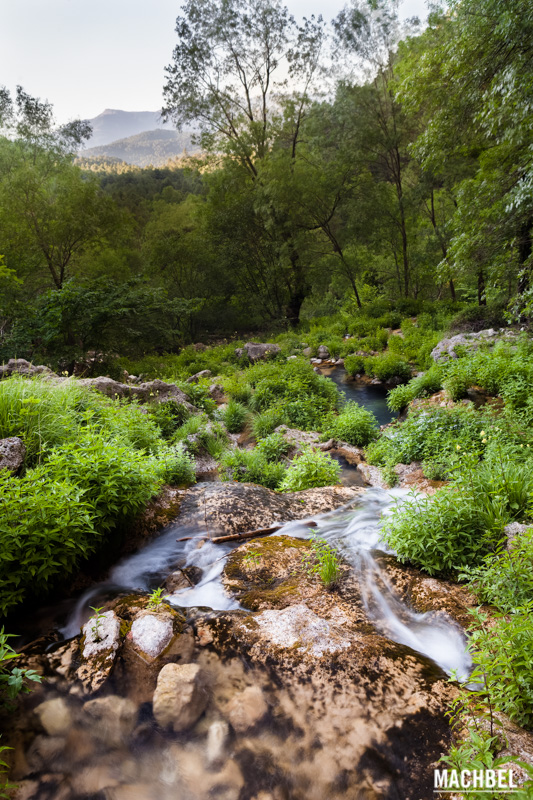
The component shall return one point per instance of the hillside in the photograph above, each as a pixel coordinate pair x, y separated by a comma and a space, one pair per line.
113, 124
153, 147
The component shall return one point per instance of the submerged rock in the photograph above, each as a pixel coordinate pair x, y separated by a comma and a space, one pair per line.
299, 627
54, 715
181, 696
247, 708
111, 718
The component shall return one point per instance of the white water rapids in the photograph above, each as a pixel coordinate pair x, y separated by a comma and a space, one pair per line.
354, 530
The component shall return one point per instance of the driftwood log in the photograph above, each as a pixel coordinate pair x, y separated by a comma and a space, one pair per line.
235, 537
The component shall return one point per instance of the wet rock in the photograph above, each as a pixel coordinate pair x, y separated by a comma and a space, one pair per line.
224, 508
372, 476
55, 717
152, 633
12, 453
46, 751
257, 351
217, 739
204, 373
101, 635
26, 790
411, 476
216, 392
160, 511
300, 628
181, 696
111, 719
101, 642
323, 352
353, 455
92, 780
246, 709
325, 446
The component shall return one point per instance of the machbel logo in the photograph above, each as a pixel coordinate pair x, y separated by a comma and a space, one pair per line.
474, 780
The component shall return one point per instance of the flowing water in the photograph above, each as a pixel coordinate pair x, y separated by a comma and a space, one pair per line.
369, 395
355, 531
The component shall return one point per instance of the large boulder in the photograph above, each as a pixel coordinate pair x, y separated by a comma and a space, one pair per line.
257, 351
224, 508
323, 352
446, 348
12, 453
150, 392
19, 366
181, 696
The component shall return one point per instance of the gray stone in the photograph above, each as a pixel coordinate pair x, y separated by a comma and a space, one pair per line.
323, 352
216, 392
247, 708
204, 373
12, 453
308, 351
180, 697
513, 531
299, 627
257, 351
101, 634
150, 392
152, 633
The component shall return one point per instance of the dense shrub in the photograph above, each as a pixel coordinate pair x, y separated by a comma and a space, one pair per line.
251, 466
273, 447
387, 366
176, 467
478, 318
354, 425
168, 416
310, 469
421, 386
354, 365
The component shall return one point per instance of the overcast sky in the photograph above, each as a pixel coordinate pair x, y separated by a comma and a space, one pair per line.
87, 55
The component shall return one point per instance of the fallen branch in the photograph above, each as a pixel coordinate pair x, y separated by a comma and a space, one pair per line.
235, 537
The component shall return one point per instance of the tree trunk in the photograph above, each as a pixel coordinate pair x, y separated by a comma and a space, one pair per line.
481, 295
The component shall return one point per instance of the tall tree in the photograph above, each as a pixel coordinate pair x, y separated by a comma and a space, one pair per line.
230, 76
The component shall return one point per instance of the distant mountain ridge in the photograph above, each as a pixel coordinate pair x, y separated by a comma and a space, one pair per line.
113, 124
144, 149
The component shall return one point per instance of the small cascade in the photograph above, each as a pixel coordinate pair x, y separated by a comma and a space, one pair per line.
355, 531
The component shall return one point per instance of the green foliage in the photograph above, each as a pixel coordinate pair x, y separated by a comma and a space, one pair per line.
156, 598
168, 416
354, 365
96, 619
422, 386
251, 466
234, 416
175, 466
324, 562
264, 424
387, 366
354, 425
274, 447
310, 469
13, 680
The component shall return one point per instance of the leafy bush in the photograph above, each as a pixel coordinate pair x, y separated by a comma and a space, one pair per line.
234, 416
354, 425
421, 386
354, 365
505, 579
251, 466
168, 416
446, 532
479, 318
310, 469
273, 447
387, 366
176, 467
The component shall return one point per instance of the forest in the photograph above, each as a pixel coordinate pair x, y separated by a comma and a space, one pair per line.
359, 202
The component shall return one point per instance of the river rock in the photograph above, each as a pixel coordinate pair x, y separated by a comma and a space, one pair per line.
156, 391
12, 453
257, 351
216, 392
181, 696
204, 373
112, 718
513, 531
225, 508
20, 366
217, 739
297, 439
373, 476
446, 348
101, 642
323, 352
247, 708
55, 717
152, 633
